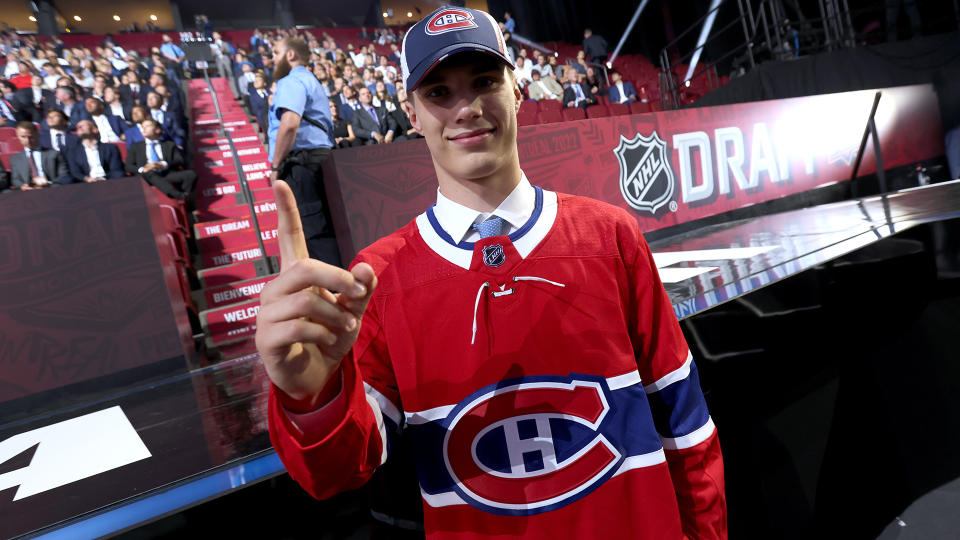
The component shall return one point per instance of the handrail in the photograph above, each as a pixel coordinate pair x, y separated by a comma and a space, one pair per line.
240, 174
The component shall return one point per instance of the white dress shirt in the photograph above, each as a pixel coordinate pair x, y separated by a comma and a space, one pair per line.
458, 220
93, 159
37, 157
53, 139
116, 109
106, 131
623, 97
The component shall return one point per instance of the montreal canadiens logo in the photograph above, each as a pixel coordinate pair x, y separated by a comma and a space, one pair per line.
493, 255
646, 178
450, 20
529, 446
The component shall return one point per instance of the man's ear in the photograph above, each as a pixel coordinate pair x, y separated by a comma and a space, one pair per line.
518, 95
412, 113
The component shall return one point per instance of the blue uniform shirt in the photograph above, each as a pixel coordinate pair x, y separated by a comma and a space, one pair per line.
302, 93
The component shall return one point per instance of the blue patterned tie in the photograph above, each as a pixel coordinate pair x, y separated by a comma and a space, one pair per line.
491, 227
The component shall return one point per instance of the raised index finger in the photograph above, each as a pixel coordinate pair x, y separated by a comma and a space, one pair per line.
293, 245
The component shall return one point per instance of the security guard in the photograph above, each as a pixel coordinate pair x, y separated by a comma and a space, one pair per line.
300, 134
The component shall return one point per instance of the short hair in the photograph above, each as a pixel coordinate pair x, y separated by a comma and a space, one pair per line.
58, 111
152, 120
26, 124
299, 47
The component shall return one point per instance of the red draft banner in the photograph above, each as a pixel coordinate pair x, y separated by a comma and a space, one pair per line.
665, 168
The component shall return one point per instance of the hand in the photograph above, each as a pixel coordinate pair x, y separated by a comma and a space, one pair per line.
388, 138
377, 137
303, 329
571, 103
40, 181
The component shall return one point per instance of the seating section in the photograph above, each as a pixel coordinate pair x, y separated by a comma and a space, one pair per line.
229, 265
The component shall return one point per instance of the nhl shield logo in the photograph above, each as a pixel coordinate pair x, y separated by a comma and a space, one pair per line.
646, 178
493, 256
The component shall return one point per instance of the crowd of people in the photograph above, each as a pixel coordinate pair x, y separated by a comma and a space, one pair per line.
70, 107
56, 87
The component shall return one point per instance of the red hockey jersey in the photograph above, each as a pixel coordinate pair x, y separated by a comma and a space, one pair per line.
542, 376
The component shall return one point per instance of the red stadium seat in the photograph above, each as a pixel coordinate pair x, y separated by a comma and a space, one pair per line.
528, 105
603, 100
618, 109
638, 107
550, 105
8, 134
597, 111
526, 118
550, 117
574, 113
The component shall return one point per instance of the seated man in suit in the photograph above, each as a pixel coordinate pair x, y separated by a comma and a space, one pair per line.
36, 167
621, 91
575, 93
92, 160
56, 134
401, 118
9, 114
544, 88
67, 102
348, 102
167, 120
132, 91
160, 163
110, 127
115, 107
169, 106
33, 101
372, 125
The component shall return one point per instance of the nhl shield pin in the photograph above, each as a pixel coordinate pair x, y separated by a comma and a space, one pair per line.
493, 255
646, 178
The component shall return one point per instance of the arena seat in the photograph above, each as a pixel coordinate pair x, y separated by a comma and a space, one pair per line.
597, 111
618, 109
550, 105
550, 117
638, 107
526, 118
574, 113
529, 105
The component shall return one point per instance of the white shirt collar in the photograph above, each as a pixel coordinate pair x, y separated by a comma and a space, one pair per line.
516, 209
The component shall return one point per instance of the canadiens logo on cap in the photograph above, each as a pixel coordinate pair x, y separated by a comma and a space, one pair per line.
449, 20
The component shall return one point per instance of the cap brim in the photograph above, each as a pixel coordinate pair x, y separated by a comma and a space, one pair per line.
418, 73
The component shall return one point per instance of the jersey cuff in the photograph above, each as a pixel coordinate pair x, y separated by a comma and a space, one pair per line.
315, 425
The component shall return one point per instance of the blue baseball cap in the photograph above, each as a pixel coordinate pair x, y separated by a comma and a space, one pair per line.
447, 31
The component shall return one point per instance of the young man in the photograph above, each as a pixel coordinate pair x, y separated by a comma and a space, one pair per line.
520, 338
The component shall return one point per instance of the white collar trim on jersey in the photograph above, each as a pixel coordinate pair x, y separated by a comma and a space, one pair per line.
524, 243
458, 219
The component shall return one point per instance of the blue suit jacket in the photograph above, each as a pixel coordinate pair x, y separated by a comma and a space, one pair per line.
117, 123
134, 135
69, 140
258, 105
614, 95
109, 158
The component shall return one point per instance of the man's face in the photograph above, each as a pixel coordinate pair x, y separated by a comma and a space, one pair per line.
109, 94
572, 76
63, 96
56, 121
154, 101
365, 97
86, 127
151, 130
93, 106
28, 137
615, 77
137, 114
466, 108
156, 80
348, 92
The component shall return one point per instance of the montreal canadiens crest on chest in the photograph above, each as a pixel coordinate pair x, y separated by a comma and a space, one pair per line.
531, 445
646, 178
450, 20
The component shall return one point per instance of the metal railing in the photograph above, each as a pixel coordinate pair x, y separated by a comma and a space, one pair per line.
768, 34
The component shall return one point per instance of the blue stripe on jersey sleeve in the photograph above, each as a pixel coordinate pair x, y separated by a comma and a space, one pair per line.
679, 409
